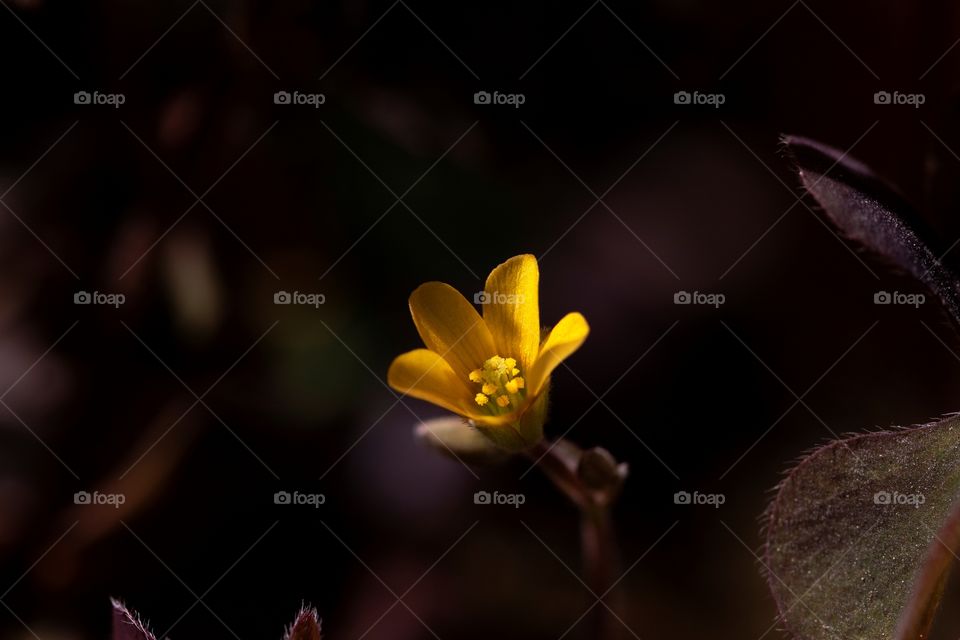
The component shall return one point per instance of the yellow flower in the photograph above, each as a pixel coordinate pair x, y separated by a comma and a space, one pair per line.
492, 370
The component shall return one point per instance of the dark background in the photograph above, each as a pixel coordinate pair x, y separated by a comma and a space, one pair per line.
293, 198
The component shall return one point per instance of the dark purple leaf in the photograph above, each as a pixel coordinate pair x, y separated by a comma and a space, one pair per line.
127, 625
862, 534
872, 214
306, 626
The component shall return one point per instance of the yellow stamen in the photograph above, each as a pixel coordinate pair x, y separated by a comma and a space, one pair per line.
500, 381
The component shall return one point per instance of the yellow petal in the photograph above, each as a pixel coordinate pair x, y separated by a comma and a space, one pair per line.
512, 309
564, 339
451, 327
423, 374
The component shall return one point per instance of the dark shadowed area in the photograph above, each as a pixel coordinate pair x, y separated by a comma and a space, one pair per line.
183, 166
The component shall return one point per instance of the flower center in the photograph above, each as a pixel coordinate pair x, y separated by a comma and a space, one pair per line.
501, 387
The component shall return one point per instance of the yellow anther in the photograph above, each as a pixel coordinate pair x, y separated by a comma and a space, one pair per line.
499, 380
493, 363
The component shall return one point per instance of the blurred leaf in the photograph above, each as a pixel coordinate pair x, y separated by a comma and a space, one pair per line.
862, 533
452, 437
871, 213
127, 625
305, 627
194, 286
140, 478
